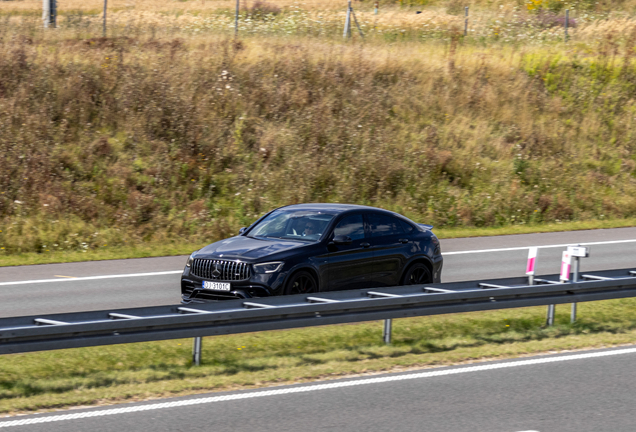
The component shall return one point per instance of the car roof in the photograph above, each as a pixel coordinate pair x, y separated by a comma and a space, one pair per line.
338, 208
335, 207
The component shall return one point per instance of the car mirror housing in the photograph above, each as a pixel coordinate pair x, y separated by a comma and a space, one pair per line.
342, 240
242, 230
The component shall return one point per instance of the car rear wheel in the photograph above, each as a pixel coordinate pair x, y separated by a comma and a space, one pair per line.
301, 283
417, 274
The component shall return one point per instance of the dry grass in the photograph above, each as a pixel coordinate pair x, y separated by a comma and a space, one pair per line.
161, 133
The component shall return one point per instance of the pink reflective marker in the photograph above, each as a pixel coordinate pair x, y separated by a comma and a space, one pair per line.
532, 258
565, 266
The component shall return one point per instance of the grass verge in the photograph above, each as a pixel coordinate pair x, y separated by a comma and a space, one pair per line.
156, 249
119, 373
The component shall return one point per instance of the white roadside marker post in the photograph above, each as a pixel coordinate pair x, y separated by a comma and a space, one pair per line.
577, 252
532, 260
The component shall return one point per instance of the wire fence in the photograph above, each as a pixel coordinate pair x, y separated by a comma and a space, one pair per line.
389, 23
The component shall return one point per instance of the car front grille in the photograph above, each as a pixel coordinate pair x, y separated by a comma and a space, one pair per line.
220, 269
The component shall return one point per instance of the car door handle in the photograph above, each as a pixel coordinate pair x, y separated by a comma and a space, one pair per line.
403, 241
365, 245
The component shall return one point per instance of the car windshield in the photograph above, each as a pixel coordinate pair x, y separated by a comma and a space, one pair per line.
302, 225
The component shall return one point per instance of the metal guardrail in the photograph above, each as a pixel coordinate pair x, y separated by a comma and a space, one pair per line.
83, 329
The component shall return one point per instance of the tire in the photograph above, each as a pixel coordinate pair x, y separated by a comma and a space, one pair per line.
301, 282
417, 274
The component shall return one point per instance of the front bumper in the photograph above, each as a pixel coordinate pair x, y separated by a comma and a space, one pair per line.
258, 285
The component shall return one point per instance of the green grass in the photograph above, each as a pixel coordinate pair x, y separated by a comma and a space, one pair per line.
109, 374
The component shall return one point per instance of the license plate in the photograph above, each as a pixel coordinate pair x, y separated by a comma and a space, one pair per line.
217, 286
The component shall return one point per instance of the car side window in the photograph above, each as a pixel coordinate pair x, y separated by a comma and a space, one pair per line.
384, 225
351, 226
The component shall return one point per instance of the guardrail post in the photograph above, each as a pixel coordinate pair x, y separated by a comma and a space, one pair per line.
550, 319
387, 331
196, 351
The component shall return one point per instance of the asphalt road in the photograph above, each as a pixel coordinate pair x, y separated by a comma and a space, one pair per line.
53, 288
578, 392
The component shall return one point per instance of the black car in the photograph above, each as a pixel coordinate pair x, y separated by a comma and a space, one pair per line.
310, 248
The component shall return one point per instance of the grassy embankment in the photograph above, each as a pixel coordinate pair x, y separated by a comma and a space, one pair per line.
172, 133
166, 134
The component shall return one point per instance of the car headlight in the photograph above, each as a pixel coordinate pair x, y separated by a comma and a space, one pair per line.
190, 259
270, 267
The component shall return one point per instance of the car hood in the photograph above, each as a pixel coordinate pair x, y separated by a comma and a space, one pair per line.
246, 248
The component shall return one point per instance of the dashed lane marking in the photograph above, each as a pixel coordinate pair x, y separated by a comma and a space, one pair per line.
36, 281
70, 278
308, 388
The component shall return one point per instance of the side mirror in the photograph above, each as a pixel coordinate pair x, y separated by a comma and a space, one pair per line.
242, 230
342, 240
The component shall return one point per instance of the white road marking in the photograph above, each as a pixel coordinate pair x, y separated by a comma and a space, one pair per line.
29, 282
540, 247
70, 278
309, 388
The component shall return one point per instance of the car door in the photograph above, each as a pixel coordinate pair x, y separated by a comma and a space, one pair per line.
390, 246
349, 266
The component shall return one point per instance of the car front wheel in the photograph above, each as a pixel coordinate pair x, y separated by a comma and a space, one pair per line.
301, 283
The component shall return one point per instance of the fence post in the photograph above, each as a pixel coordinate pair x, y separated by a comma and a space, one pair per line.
196, 351
567, 22
49, 13
466, 21
105, 6
347, 29
236, 16
387, 331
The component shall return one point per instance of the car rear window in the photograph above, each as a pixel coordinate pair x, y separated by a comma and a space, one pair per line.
384, 225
